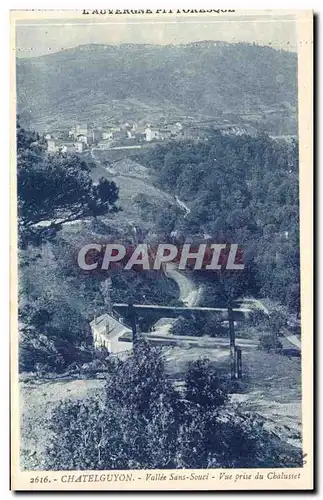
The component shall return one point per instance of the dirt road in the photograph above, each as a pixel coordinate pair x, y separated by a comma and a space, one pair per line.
189, 293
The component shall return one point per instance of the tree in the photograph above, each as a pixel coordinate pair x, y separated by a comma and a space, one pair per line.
203, 386
53, 189
270, 343
272, 326
243, 190
51, 337
141, 422
198, 324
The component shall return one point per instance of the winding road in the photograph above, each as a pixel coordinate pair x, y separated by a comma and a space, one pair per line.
189, 294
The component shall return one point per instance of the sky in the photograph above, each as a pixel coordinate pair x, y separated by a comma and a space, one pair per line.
35, 38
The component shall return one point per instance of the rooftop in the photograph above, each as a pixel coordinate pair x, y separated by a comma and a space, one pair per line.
115, 328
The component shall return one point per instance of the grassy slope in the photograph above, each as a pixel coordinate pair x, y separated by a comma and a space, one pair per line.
131, 185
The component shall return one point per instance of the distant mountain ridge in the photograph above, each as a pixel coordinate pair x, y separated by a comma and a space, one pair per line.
99, 82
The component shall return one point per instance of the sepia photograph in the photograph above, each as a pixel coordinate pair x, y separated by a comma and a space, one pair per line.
161, 308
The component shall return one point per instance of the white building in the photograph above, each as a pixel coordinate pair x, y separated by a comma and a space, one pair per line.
67, 147
108, 332
52, 146
131, 134
112, 128
107, 135
105, 144
152, 134
79, 146
81, 129
82, 138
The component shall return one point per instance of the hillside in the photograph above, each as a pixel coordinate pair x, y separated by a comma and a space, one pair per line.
102, 83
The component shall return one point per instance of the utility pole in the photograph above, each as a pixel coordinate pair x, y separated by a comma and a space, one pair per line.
233, 360
132, 319
239, 361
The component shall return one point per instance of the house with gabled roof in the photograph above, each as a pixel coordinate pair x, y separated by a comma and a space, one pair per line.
111, 333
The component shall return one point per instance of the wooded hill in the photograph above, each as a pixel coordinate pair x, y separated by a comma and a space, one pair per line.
97, 83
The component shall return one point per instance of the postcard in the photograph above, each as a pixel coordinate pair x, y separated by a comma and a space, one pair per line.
161, 250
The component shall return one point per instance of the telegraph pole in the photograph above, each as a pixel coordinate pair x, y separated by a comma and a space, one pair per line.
233, 359
239, 361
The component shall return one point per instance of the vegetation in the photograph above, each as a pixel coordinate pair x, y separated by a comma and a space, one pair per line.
142, 422
139, 81
220, 179
270, 343
53, 189
272, 326
241, 190
57, 300
199, 324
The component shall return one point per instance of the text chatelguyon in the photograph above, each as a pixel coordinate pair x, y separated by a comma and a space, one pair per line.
143, 256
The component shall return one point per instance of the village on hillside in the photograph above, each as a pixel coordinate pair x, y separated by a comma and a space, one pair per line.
83, 137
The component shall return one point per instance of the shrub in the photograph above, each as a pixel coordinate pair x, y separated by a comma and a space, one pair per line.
270, 343
141, 422
203, 386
